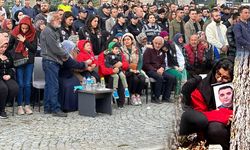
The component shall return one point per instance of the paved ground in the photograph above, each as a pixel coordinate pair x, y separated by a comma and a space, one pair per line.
133, 127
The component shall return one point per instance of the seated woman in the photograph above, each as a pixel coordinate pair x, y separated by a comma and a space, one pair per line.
8, 86
201, 115
68, 98
135, 75
86, 53
107, 72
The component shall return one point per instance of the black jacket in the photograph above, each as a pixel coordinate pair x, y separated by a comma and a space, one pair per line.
134, 29
95, 38
6, 66
31, 46
231, 41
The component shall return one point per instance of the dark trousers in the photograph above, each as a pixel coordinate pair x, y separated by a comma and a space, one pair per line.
120, 90
215, 132
51, 90
136, 82
8, 90
164, 84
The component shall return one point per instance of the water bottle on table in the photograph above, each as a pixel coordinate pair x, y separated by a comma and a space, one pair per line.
103, 86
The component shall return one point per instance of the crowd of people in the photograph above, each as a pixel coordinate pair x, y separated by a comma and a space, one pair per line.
126, 42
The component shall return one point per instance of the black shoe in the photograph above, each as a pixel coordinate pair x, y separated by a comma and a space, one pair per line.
59, 114
9, 104
47, 112
156, 100
165, 100
3, 115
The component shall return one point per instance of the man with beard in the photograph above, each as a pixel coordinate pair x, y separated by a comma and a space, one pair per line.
44, 12
216, 33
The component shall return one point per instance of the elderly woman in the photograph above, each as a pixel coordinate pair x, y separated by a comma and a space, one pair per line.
201, 115
135, 75
67, 80
8, 86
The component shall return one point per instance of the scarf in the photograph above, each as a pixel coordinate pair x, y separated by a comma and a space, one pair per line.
29, 35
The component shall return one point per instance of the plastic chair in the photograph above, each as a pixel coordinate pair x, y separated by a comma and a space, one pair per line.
38, 81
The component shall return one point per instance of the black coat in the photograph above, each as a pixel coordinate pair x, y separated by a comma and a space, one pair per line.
95, 38
31, 46
231, 41
6, 66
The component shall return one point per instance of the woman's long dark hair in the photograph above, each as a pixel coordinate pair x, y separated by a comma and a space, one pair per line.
89, 20
66, 15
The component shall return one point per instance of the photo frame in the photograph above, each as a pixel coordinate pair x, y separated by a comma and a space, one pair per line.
223, 95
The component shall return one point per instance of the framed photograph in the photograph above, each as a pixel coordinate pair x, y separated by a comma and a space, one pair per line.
223, 95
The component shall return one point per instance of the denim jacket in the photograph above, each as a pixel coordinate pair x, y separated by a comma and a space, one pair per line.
242, 35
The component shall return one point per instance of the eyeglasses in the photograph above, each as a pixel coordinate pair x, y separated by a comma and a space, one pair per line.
223, 78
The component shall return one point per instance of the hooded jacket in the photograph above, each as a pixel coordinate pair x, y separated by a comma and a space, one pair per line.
84, 55
202, 98
27, 48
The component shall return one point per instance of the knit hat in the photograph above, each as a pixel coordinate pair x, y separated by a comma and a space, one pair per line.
164, 34
140, 37
112, 45
68, 46
119, 35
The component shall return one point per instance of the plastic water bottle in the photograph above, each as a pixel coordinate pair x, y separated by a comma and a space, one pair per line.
88, 84
84, 82
103, 86
93, 83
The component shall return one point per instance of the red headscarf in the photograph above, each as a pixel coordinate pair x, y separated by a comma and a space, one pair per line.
29, 35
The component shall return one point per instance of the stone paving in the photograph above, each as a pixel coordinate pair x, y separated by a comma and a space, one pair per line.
146, 127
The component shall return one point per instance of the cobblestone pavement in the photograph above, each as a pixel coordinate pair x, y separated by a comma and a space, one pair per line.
145, 127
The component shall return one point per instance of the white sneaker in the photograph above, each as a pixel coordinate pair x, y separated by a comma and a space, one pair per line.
138, 98
134, 100
27, 109
20, 110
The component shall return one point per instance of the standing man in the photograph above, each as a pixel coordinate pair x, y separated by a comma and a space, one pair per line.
242, 30
112, 20
53, 55
192, 26
44, 12
16, 7
177, 25
216, 33
27, 10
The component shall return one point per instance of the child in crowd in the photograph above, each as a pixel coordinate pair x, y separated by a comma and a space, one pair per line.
86, 53
113, 56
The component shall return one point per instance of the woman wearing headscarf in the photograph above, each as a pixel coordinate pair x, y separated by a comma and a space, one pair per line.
200, 113
67, 80
7, 25
8, 86
179, 46
135, 75
23, 42
17, 17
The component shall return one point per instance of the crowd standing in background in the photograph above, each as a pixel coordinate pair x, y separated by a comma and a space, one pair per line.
126, 42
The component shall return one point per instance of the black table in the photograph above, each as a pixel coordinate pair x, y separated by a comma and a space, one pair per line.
92, 101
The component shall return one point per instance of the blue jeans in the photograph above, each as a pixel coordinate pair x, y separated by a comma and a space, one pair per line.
24, 76
51, 90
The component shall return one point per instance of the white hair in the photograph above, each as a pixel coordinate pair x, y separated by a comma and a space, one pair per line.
51, 16
160, 38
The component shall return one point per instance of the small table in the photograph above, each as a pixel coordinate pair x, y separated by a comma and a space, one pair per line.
92, 101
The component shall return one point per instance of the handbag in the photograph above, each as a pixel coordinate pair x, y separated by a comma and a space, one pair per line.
20, 62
